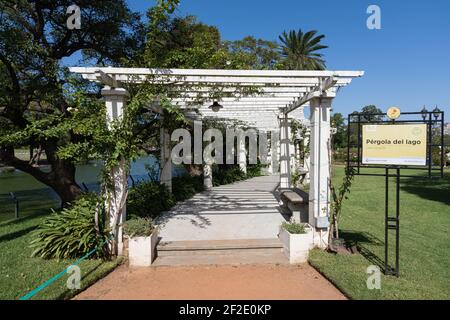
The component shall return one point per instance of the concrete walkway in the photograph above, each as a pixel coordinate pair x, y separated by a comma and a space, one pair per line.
282, 282
243, 210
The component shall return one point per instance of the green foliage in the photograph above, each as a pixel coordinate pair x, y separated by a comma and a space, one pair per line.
300, 50
139, 227
254, 53
226, 174
73, 232
294, 227
149, 199
371, 109
337, 199
185, 187
424, 239
36, 93
298, 128
21, 273
297, 177
230, 173
254, 170
339, 139
340, 155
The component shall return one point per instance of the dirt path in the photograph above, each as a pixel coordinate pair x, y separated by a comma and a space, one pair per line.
278, 282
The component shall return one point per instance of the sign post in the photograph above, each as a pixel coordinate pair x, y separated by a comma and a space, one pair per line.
394, 145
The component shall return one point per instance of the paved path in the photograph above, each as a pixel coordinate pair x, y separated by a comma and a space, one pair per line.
243, 210
262, 282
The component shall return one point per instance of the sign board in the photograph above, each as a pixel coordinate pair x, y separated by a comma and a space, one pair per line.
394, 144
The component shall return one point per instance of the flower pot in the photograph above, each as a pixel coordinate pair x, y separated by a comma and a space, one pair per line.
296, 246
142, 250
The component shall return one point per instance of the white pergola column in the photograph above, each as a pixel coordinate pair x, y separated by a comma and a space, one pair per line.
242, 158
115, 100
207, 176
307, 159
273, 152
319, 194
285, 163
166, 159
292, 158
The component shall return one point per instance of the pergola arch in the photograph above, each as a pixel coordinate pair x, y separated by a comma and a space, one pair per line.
266, 99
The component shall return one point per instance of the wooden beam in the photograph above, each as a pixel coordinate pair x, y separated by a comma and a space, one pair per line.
324, 85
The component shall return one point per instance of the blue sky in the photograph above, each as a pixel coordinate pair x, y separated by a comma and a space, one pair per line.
406, 62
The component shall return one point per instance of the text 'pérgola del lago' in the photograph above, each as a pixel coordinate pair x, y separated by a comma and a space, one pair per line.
395, 141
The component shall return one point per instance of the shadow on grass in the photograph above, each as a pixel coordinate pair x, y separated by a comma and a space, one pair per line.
70, 293
16, 234
13, 222
429, 189
361, 240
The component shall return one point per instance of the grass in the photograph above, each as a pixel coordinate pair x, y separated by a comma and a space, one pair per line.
424, 240
19, 273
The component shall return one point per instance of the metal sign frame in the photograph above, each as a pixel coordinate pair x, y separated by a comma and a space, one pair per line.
435, 127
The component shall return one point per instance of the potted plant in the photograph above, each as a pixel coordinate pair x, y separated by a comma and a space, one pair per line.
142, 238
297, 239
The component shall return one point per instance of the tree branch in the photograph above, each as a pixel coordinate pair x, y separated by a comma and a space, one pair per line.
9, 159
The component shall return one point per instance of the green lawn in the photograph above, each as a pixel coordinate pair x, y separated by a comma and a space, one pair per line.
20, 274
424, 240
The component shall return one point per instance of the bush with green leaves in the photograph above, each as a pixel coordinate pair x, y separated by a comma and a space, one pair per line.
294, 227
226, 174
185, 187
73, 232
254, 170
149, 199
139, 227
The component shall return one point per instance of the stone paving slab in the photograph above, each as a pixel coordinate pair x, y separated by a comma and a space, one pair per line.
243, 210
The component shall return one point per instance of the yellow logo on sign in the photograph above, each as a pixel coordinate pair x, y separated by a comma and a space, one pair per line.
393, 113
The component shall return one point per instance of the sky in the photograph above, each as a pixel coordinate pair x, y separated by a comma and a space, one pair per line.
406, 62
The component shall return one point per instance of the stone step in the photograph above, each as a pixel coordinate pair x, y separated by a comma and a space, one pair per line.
210, 252
218, 244
184, 252
235, 258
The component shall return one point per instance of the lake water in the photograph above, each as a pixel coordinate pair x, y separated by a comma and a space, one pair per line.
34, 196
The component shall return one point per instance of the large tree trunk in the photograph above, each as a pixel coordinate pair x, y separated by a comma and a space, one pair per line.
61, 177
62, 180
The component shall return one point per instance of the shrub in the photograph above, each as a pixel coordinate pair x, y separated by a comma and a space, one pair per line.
254, 170
139, 227
226, 174
148, 199
294, 227
72, 232
185, 187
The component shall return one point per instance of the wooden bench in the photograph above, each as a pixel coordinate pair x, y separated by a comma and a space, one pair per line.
296, 200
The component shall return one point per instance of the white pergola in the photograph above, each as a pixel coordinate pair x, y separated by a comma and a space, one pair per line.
264, 99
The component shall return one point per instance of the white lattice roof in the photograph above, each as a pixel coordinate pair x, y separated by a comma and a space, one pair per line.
278, 91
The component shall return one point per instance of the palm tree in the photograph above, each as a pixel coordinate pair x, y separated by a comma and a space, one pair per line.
299, 50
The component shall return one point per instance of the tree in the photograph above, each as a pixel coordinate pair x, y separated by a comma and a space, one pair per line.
300, 50
34, 85
371, 109
258, 54
340, 137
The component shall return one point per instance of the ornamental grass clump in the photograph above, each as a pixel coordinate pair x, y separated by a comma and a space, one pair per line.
139, 227
73, 232
294, 227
